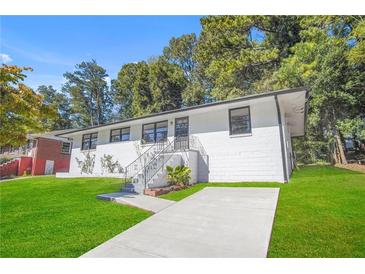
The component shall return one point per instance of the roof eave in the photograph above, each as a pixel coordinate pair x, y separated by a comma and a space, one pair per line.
240, 99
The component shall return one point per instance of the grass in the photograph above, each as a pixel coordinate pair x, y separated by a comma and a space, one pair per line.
50, 217
321, 213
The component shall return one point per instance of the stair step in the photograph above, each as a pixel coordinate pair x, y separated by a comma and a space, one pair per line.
129, 190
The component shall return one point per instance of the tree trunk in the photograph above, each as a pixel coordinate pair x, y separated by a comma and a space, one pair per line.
333, 153
341, 151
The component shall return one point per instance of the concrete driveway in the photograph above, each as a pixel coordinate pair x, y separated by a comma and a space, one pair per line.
214, 222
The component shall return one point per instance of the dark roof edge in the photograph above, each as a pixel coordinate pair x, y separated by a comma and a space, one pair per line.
244, 98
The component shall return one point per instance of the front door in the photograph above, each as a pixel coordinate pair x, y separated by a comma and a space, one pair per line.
182, 133
48, 170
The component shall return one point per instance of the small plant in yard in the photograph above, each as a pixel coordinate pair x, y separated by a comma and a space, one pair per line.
109, 165
180, 175
86, 166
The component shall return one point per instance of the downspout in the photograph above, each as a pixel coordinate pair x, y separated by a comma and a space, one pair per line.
283, 158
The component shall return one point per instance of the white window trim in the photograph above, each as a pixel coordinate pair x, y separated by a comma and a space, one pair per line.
69, 149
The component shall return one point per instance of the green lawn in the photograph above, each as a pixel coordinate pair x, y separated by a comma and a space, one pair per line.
321, 213
49, 217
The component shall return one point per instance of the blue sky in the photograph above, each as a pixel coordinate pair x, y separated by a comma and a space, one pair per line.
52, 45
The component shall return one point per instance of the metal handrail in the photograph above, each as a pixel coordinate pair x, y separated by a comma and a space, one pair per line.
154, 159
161, 156
126, 169
159, 152
194, 143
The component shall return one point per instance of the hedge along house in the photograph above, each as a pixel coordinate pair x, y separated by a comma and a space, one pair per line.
243, 139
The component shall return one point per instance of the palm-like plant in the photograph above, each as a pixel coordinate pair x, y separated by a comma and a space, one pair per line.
180, 175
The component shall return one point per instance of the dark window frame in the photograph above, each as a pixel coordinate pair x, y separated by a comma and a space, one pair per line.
154, 131
230, 121
82, 141
120, 135
69, 150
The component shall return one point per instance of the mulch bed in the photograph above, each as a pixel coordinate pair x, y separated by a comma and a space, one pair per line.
162, 190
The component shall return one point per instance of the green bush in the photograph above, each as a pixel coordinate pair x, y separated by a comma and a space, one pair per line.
180, 175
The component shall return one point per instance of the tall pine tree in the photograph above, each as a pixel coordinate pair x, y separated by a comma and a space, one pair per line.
91, 98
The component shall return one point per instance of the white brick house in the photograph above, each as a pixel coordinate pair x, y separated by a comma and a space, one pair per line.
244, 139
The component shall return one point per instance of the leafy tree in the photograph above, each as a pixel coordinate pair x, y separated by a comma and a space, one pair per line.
142, 88
91, 98
167, 81
195, 93
60, 103
357, 53
132, 90
353, 128
319, 62
143, 95
236, 52
180, 52
21, 109
124, 90
240, 55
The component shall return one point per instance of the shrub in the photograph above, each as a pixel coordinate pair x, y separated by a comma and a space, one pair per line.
180, 175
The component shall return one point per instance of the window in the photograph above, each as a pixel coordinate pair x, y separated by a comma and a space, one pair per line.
239, 121
161, 131
89, 141
149, 133
66, 148
154, 132
117, 135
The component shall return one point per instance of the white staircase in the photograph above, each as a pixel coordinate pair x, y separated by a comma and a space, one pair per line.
150, 172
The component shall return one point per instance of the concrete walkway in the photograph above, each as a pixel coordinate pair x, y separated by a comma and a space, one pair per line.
141, 201
214, 222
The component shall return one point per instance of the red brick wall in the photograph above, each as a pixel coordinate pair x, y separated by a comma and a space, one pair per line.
25, 165
48, 149
9, 169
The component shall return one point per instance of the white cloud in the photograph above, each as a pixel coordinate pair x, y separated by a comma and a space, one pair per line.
40, 55
5, 58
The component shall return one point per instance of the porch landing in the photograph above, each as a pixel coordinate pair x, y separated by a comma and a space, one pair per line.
137, 200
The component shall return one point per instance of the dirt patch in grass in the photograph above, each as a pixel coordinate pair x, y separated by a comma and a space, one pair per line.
354, 167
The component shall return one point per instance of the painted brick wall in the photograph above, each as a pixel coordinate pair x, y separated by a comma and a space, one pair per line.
254, 157
25, 165
9, 169
49, 149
